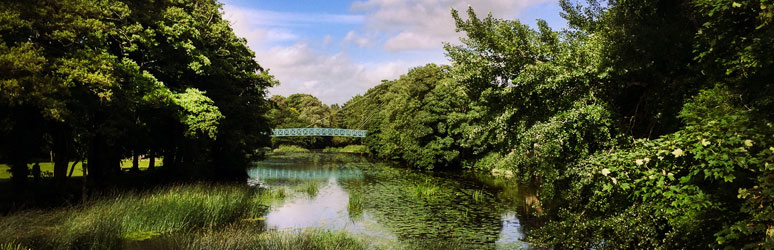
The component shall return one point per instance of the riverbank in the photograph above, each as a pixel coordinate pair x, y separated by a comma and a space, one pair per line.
291, 201
192, 216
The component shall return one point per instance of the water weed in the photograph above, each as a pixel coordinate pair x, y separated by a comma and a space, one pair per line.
425, 189
310, 188
355, 204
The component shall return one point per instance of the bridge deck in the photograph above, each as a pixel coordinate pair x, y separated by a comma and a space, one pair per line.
282, 132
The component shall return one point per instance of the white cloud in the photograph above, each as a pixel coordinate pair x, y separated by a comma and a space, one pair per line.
421, 25
327, 40
410, 32
262, 28
331, 78
357, 39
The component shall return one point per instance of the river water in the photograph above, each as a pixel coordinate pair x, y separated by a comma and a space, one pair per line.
394, 207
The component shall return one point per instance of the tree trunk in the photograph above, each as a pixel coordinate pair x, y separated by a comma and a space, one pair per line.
135, 162
152, 160
97, 160
19, 172
72, 169
85, 172
169, 158
62, 139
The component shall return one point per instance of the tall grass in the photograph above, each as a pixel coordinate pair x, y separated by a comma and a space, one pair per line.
355, 204
426, 189
310, 188
196, 216
244, 239
109, 223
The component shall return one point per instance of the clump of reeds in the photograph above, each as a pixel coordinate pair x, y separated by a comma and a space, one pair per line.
111, 222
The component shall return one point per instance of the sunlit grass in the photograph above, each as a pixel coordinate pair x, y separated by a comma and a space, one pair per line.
12, 246
110, 222
47, 168
248, 238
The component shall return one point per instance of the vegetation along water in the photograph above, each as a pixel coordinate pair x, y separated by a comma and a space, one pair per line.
147, 125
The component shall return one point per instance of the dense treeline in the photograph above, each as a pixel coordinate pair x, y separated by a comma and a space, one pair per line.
646, 124
104, 80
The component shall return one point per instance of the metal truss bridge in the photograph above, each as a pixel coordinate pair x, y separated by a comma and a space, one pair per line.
282, 132
263, 173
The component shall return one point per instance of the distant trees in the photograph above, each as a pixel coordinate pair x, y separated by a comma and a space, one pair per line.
104, 80
301, 111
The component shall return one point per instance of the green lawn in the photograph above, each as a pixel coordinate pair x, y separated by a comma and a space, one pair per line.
47, 168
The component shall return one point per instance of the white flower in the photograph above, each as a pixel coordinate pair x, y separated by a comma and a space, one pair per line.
605, 172
705, 142
614, 180
646, 160
678, 152
638, 162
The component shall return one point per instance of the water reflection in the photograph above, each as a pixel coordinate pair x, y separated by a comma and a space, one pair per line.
395, 206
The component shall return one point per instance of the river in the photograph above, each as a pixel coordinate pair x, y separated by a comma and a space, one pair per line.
395, 207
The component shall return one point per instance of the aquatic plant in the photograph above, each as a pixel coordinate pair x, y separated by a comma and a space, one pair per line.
355, 204
425, 189
310, 188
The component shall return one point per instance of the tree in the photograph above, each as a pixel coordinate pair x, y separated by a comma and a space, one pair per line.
124, 78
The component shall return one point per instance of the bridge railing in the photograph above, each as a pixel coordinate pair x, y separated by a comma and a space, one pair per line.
281, 132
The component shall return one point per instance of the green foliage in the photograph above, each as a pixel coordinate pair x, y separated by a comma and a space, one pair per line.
356, 149
115, 78
576, 111
417, 118
693, 181
199, 113
733, 46
290, 149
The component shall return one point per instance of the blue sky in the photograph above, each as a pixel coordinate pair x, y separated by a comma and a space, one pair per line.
337, 49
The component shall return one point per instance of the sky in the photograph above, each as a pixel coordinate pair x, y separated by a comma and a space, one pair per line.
336, 49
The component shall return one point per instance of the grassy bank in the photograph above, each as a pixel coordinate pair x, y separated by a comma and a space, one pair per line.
358, 149
196, 216
290, 149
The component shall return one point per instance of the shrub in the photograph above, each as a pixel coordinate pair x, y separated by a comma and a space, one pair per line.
290, 149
